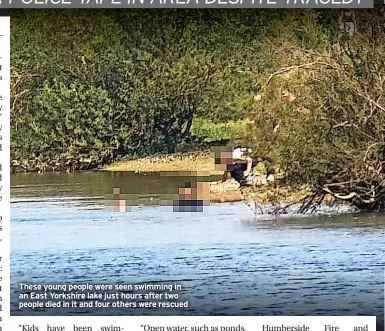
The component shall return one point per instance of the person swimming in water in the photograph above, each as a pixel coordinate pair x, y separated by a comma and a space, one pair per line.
189, 199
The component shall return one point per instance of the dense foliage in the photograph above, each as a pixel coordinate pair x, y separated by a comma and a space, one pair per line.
322, 109
128, 82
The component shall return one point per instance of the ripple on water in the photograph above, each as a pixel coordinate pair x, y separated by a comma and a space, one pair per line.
229, 262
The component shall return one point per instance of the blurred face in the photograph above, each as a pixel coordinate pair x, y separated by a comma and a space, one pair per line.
187, 193
116, 193
224, 161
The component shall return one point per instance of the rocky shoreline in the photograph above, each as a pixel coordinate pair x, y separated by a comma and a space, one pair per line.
229, 191
274, 199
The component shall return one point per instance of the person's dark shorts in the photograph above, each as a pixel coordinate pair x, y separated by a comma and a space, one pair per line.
188, 206
237, 173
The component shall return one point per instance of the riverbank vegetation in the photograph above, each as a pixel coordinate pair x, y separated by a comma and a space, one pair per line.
117, 85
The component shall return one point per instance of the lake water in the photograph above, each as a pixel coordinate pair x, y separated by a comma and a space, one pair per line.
227, 260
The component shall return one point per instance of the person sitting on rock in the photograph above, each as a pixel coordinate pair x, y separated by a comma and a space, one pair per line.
242, 165
237, 162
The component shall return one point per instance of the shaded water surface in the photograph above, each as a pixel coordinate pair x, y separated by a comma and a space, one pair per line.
228, 261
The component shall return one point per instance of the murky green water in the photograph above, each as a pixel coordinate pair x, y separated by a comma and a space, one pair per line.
96, 184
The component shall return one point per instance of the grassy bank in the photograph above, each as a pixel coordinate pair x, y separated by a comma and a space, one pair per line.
188, 162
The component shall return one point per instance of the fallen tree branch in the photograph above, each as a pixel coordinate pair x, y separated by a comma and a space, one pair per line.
350, 196
291, 68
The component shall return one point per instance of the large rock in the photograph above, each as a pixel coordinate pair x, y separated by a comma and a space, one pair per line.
233, 185
228, 185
